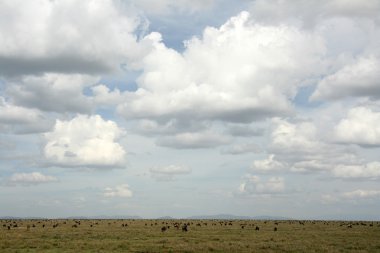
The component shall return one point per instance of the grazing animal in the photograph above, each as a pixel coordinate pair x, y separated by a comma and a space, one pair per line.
184, 228
163, 229
275, 229
257, 228
9, 227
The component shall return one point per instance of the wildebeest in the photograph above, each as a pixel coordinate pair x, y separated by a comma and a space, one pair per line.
163, 229
275, 229
184, 228
257, 228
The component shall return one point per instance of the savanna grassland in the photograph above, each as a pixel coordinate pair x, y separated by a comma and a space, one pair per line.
201, 236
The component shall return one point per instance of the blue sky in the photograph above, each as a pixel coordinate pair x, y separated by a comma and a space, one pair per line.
183, 108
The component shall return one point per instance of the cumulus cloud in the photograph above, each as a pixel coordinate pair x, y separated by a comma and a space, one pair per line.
360, 78
193, 140
255, 185
167, 6
299, 147
60, 92
19, 119
241, 148
122, 191
268, 165
311, 165
227, 74
244, 130
37, 47
171, 127
288, 137
103, 96
169, 173
355, 196
313, 11
32, 178
362, 194
12, 114
361, 126
362, 171
85, 141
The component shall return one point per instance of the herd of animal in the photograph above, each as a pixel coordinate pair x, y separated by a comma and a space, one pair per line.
165, 225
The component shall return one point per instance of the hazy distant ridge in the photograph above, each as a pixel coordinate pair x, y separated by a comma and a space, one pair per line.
136, 217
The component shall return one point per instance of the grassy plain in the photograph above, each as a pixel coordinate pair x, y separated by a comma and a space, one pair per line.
202, 236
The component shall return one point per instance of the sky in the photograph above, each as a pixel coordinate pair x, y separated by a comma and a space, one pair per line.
181, 108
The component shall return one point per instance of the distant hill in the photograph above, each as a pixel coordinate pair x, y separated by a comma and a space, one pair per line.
118, 217
165, 218
136, 217
20, 218
235, 217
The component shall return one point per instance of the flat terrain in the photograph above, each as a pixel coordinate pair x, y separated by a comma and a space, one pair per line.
201, 236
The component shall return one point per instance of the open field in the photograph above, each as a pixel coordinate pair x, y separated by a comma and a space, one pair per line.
201, 236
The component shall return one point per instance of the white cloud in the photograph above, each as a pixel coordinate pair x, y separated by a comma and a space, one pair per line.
12, 114
65, 36
122, 191
244, 130
255, 185
167, 6
169, 172
311, 165
171, 127
362, 194
227, 74
360, 78
363, 171
361, 126
299, 137
313, 11
60, 92
193, 140
86, 141
353, 196
241, 148
103, 96
30, 178
299, 147
268, 165
19, 119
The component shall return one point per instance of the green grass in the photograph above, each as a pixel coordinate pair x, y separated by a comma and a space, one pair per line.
111, 236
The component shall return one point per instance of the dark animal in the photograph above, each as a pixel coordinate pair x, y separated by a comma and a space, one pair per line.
163, 229
275, 229
257, 228
184, 228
